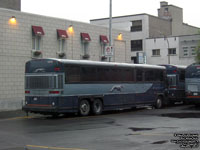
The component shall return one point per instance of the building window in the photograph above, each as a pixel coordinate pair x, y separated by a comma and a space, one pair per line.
185, 52
136, 45
156, 52
37, 32
172, 51
136, 26
166, 9
61, 35
193, 51
36, 42
104, 42
85, 48
61, 44
85, 38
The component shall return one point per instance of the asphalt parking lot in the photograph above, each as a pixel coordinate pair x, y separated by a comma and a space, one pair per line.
172, 128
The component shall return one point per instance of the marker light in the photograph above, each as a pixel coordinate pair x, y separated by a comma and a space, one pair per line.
54, 92
57, 69
27, 92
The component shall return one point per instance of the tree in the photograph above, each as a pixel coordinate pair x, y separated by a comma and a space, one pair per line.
197, 58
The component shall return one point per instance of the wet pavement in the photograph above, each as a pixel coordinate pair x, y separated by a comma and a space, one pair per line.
139, 129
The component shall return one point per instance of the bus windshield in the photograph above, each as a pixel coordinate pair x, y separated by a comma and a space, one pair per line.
42, 65
193, 72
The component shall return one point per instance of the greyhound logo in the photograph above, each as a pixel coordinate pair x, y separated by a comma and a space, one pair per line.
117, 88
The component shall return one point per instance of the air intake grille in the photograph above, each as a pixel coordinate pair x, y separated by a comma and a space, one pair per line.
40, 82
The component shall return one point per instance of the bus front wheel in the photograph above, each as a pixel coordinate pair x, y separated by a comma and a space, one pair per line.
159, 102
84, 107
97, 107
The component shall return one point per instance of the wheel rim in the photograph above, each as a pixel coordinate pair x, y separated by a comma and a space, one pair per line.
159, 103
97, 107
84, 108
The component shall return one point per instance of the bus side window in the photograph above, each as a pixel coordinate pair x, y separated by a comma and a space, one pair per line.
149, 75
72, 74
139, 75
88, 74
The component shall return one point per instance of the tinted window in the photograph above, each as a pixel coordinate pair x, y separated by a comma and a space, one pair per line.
41, 66
159, 75
139, 74
149, 75
72, 74
88, 74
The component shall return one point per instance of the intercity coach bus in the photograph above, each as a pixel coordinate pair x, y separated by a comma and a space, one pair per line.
176, 83
59, 86
192, 84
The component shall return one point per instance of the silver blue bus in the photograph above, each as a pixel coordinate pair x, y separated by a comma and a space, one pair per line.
59, 86
192, 83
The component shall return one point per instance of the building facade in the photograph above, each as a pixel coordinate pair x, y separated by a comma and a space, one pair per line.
144, 26
25, 36
179, 50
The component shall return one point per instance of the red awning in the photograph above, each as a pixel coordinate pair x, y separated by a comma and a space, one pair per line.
104, 39
62, 33
37, 30
85, 37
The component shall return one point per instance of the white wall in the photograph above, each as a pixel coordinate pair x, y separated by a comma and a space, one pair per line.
162, 44
174, 42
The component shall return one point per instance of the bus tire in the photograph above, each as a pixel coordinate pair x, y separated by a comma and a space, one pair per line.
84, 107
97, 107
159, 102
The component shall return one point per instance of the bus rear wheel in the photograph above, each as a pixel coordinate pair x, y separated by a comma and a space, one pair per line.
159, 102
84, 107
97, 107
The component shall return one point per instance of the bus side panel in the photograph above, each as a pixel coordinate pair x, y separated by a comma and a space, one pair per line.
68, 104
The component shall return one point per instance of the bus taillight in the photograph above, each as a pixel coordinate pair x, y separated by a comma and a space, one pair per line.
27, 92
57, 69
54, 92
173, 87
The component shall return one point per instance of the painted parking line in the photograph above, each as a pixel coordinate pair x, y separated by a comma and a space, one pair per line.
23, 117
53, 148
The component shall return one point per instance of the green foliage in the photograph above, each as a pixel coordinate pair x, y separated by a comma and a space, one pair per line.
197, 58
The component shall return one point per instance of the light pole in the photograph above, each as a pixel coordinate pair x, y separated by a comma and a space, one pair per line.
168, 50
110, 27
165, 38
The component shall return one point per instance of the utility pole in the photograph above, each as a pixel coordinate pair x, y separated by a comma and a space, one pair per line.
110, 28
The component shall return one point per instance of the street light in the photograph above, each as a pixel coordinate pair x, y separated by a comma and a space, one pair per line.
165, 38
13, 20
168, 49
120, 37
110, 28
70, 30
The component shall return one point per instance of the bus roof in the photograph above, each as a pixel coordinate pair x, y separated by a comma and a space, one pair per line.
97, 63
177, 66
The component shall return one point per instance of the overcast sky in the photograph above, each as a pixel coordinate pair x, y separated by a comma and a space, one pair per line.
84, 10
